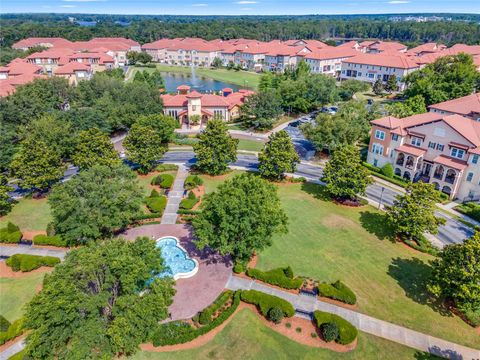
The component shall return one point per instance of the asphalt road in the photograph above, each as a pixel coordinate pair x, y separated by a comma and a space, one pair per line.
452, 232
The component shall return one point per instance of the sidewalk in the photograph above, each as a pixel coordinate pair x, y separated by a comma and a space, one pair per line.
365, 323
449, 208
175, 196
10, 250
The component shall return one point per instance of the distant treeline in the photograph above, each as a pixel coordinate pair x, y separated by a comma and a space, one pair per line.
463, 28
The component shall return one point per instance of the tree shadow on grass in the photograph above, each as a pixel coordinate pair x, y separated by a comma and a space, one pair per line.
412, 275
376, 223
316, 190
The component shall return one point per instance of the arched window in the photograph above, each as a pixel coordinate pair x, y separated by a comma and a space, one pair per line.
398, 172
447, 190
400, 159
410, 161
437, 185
407, 176
438, 174
450, 177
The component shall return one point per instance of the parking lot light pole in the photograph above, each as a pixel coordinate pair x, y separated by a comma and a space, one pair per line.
381, 197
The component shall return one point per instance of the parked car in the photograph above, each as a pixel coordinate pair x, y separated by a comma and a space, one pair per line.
332, 110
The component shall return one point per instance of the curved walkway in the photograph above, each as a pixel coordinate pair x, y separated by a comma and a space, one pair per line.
365, 323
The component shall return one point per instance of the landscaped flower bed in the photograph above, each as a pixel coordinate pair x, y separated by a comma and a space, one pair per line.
337, 291
347, 333
282, 277
266, 302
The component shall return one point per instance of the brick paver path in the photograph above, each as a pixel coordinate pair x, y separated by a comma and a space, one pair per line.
175, 196
365, 323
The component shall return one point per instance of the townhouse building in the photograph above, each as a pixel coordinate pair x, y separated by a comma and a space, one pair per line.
377, 47
328, 60
439, 147
16, 73
468, 106
371, 67
193, 109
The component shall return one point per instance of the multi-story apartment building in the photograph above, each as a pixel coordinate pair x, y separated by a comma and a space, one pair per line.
468, 106
371, 67
435, 147
376, 47
17, 72
188, 105
75, 72
328, 60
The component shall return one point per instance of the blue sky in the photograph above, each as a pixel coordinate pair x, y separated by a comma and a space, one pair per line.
240, 7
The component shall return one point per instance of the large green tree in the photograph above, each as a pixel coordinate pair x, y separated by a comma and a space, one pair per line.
95, 202
344, 175
278, 156
240, 217
144, 146
164, 125
456, 276
411, 106
100, 303
55, 132
348, 126
449, 77
413, 214
94, 148
216, 149
261, 110
37, 165
6, 203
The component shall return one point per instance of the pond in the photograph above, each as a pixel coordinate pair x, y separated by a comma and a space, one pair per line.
201, 84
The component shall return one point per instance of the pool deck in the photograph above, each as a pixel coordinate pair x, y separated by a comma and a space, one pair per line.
199, 291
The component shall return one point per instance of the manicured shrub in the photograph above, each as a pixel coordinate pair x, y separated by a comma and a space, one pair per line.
288, 325
177, 332
239, 267
55, 240
4, 323
165, 181
282, 277
265, 302
337, 291
51, 229
192, 181
329, 331
189, 202
156, 204
25, 263
470, 209
387, 170
154, 193
347, 333
275, 315
15, 329
188, 212
167, 167
205, 316
298, 329
313, 335
10, 234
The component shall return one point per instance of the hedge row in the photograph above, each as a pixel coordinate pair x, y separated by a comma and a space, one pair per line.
347, 333
278, 277
337, 291
26, 263
147, 216
177, 332
10, 234
265, 302
55, 240
188, 212
15, 329
165, 181
470, 209
167, 167
205, 316
192, 181
4, 324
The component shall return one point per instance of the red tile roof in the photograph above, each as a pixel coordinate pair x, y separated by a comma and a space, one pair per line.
463, 106
331, 53
451, 162
399, 61
71, 68
208, 100
412, 150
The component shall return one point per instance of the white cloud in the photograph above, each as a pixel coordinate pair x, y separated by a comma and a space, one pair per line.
398, 2
199, 5
246, 2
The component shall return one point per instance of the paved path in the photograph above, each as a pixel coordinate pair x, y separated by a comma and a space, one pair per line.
175, 196
365, 323
9, 250
12, 350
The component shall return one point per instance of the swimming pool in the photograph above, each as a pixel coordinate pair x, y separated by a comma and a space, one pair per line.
179, 264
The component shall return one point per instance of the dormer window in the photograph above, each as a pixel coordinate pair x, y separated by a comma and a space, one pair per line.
457, 153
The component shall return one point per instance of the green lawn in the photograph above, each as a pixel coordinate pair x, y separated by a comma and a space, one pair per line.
245, 337
15, 293
250, 145
29, 215
211, 183
331, 242
144, 181
241, 78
